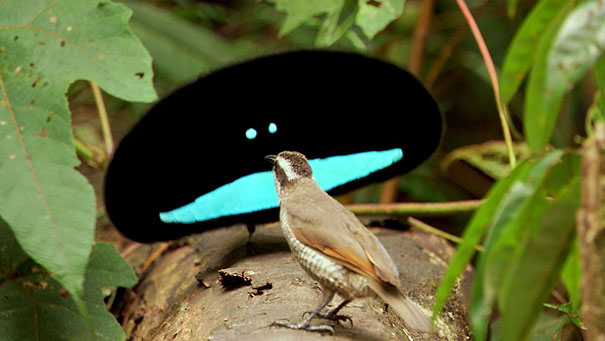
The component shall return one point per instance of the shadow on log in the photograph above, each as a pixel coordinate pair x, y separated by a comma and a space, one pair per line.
215, 286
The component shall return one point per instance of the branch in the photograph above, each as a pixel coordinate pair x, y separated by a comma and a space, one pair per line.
417, 208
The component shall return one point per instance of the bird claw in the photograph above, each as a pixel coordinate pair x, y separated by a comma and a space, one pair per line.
322, 328
332, 317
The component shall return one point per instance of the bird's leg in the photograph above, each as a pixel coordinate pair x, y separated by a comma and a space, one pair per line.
333, 314
305, 324
250, 248
251, 228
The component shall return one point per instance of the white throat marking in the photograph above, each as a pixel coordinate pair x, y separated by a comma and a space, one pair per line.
287, 167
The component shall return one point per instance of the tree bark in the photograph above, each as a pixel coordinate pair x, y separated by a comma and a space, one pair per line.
591, 232
182, 296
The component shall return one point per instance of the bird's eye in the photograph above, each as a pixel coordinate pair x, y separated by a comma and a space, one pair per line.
251, 133
272, 128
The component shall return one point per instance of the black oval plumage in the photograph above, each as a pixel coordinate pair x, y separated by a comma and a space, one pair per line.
319, 103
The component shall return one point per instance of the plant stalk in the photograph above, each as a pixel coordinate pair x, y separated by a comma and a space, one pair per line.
493, 75
105, 127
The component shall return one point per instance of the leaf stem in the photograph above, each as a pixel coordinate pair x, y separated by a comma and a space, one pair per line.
417, 208
493, 75
430, 229
105, 127
83, 150
89, 152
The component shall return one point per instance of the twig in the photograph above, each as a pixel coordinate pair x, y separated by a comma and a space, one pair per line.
493, 75
417, 208
430, 229
443, 56
389, 190
419, 39
155, 254
96, 91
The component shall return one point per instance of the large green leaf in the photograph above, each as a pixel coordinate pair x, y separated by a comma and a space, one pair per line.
522, 51
564, 56
180, 50
474, 232
547, 328
537, 262
519, 207
35, 307
374, 16
44, 46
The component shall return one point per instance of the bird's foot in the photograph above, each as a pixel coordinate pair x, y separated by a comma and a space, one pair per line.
332, 316
305, 325
252, 249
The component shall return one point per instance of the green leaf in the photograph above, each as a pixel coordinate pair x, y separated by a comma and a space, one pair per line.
301, 11
330, 30
473, 233
511, 8
536, 264
180, 50
522, 51
107, 268
76, 39
490, 158
599, 74
371, 16
547, 328
572, 313
355, 40
44, 46
33, 305
571, 274
374, 15
575, 47
520, 206
11, 254
596, 113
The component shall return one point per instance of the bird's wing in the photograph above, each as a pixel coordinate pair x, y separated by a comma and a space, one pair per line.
329, 227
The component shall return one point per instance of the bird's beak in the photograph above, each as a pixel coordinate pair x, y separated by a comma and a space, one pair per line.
271, 158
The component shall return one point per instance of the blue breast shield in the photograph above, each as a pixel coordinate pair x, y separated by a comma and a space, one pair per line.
195, 161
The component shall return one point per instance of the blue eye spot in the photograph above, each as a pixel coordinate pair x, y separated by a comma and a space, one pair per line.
251, 133
272, 128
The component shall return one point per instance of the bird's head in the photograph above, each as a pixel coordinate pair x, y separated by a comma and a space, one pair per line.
288, 167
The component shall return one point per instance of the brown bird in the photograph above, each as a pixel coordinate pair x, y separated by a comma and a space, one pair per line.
334, 248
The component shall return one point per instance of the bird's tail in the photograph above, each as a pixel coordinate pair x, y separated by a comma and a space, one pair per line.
408, 310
